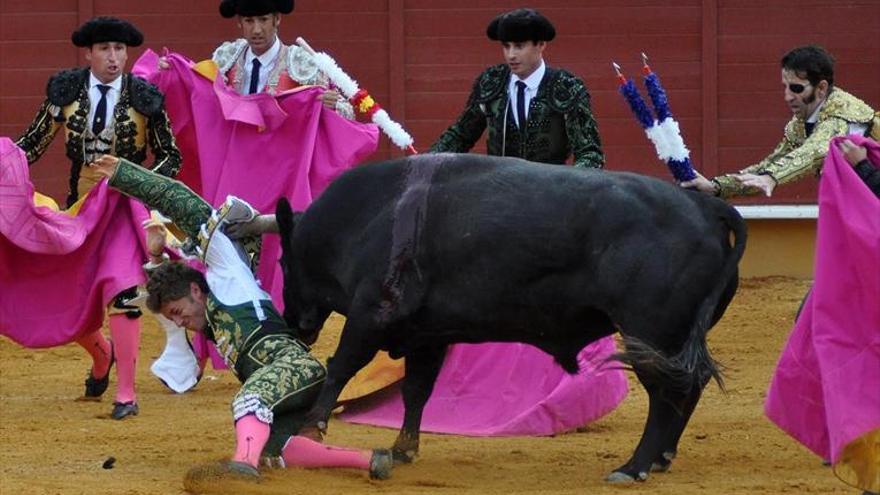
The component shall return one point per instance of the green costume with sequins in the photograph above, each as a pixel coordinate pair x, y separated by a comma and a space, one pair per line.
280, 378
559, 122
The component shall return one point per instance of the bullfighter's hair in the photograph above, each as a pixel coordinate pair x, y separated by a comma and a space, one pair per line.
171, 281
812, 61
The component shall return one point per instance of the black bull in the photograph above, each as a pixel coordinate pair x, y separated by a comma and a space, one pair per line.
422, 252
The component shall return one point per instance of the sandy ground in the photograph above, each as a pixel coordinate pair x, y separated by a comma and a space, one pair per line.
51, 444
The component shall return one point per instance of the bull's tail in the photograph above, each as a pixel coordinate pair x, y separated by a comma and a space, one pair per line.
693, 366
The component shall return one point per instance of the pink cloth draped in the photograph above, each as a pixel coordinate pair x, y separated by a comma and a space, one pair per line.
58, 272
506, 390
258, 147
826, 388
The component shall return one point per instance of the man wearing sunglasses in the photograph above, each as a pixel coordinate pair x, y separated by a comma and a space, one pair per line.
820, 111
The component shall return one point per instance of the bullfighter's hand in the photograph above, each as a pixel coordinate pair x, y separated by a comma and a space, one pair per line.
106, 165
763, 182
260, 225
701, 184
329, 98
853, 152
156, 234
163, 63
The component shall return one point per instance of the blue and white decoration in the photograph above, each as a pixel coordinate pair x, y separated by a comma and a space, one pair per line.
663, 131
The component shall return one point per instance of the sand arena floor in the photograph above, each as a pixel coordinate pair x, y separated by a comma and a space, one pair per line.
52, 444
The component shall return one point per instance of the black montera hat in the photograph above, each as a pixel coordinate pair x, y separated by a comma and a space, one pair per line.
250, 8
521, 25
102, 29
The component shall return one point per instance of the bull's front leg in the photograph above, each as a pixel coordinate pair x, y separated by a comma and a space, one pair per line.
422, 367
357, 346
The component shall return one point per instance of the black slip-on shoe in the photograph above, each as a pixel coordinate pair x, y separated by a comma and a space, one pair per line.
124, 409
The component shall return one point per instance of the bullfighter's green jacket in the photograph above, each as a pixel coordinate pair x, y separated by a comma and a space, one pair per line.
560, 122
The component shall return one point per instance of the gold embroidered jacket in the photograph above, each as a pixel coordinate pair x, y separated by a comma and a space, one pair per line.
798, 155
139, 120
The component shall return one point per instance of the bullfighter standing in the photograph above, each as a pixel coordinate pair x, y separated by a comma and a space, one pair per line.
101, 109
532, 111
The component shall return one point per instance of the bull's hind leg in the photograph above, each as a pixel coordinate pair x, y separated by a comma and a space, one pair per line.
422, 367
673, 434
661, 414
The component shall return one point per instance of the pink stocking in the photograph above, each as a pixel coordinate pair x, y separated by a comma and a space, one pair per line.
304, 452
97, 346
251, 436
126, 334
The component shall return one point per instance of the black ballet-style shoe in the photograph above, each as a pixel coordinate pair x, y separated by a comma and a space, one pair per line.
95, 387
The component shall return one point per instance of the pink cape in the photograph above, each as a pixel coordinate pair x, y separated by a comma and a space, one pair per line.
826, 389
506, 390
58, 272
257, 147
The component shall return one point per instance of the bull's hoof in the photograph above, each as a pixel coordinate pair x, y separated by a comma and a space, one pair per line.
663, 463
621, 477
381, 464
403, 456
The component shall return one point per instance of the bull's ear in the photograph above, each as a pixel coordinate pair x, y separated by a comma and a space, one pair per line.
284, 216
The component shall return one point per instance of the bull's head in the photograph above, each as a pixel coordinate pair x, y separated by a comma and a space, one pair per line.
300, 312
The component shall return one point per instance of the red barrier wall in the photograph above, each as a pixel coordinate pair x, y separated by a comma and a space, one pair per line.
717, 58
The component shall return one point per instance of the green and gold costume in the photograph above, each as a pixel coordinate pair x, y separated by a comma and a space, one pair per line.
559, 122
798, 154
279, 376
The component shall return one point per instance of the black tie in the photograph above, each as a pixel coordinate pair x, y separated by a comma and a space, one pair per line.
521, 104
101, 110
809, 126
255, 77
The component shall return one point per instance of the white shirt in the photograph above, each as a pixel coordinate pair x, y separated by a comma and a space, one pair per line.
267, 63
532, 83
229, 277
95, 97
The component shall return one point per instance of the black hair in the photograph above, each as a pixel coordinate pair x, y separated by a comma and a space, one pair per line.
170, 282
810, 62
